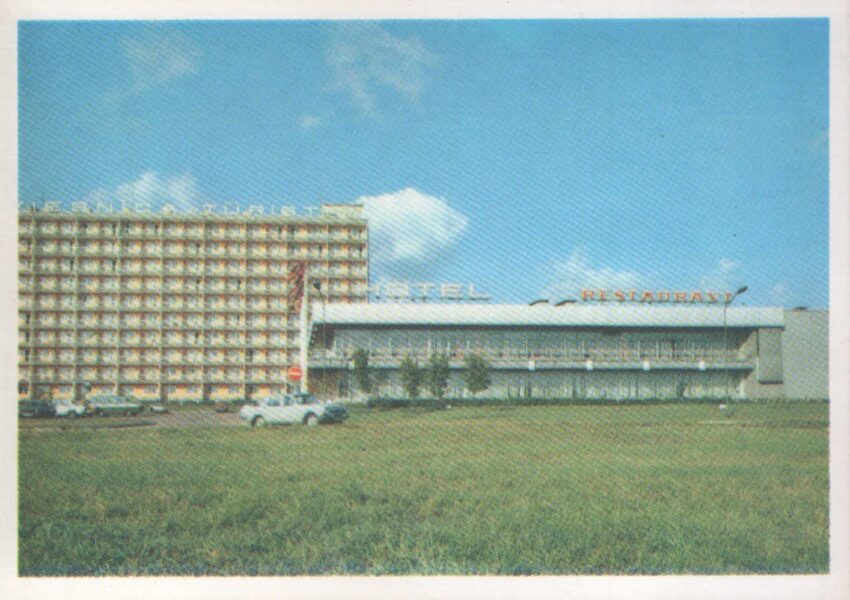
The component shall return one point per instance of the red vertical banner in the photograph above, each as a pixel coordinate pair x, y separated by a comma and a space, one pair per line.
295, 279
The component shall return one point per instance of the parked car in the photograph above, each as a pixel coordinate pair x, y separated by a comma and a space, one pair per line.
66, 408
222, 406
290, 409
35, 408
114, 405
158, 409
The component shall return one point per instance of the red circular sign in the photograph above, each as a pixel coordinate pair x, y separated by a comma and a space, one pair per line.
294, 373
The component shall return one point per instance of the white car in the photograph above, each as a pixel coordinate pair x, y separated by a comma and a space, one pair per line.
289, 409
66, 408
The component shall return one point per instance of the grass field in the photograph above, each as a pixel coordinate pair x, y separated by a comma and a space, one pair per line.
508, 490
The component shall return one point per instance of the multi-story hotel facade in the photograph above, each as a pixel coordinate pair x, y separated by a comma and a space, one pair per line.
169, 306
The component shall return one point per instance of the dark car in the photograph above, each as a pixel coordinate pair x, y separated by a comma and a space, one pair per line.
113, 404
334, 413
35, 408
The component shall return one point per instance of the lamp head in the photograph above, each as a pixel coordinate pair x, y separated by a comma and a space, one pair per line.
317, 285
741, 290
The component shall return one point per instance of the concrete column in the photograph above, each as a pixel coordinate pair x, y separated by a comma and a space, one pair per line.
304, 334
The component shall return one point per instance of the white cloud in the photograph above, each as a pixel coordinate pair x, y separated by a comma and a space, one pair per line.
308, 122
155, 58
723, 277
150, 191
364, 57
409, 231
568, 277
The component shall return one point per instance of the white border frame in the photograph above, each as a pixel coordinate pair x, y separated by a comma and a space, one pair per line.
834, 585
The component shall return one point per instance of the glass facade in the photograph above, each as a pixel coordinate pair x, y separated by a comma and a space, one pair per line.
554, 362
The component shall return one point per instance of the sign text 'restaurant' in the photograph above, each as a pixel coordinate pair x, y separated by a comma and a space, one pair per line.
677, 296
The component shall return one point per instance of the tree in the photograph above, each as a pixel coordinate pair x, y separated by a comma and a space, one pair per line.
437, 376
361, 371
411, 376
477, 373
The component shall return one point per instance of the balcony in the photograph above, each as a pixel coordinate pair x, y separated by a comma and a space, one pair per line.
223, 344
94, 269
42, 268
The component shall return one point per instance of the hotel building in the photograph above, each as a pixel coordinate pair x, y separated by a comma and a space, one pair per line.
168, 306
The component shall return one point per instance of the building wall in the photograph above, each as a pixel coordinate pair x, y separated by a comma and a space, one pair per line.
556, 362
527, 343
573, 384
805, 354
167, 306
764, 363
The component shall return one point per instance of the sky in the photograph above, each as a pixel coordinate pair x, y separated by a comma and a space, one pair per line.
531, 158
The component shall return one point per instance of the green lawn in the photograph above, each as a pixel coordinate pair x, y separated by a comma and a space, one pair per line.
573, 489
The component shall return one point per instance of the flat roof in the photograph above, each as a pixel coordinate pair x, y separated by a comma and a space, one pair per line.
521, 315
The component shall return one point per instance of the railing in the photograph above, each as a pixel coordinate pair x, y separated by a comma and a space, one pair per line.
571, 359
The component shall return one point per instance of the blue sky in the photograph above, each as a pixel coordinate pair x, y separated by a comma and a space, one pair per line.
531, 158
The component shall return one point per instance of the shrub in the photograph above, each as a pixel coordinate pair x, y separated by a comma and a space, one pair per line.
437, 375
411, 376
361, 371
440, 403
477, 373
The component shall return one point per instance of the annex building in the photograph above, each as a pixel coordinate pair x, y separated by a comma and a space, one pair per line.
175, 306
605, 351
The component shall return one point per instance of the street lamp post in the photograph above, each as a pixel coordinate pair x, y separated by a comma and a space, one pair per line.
726, 304
317, 285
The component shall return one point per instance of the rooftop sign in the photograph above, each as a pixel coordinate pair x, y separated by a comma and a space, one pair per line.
648, 296
124, 205
427, 291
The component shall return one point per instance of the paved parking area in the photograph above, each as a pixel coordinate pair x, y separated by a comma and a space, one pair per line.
179, 419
